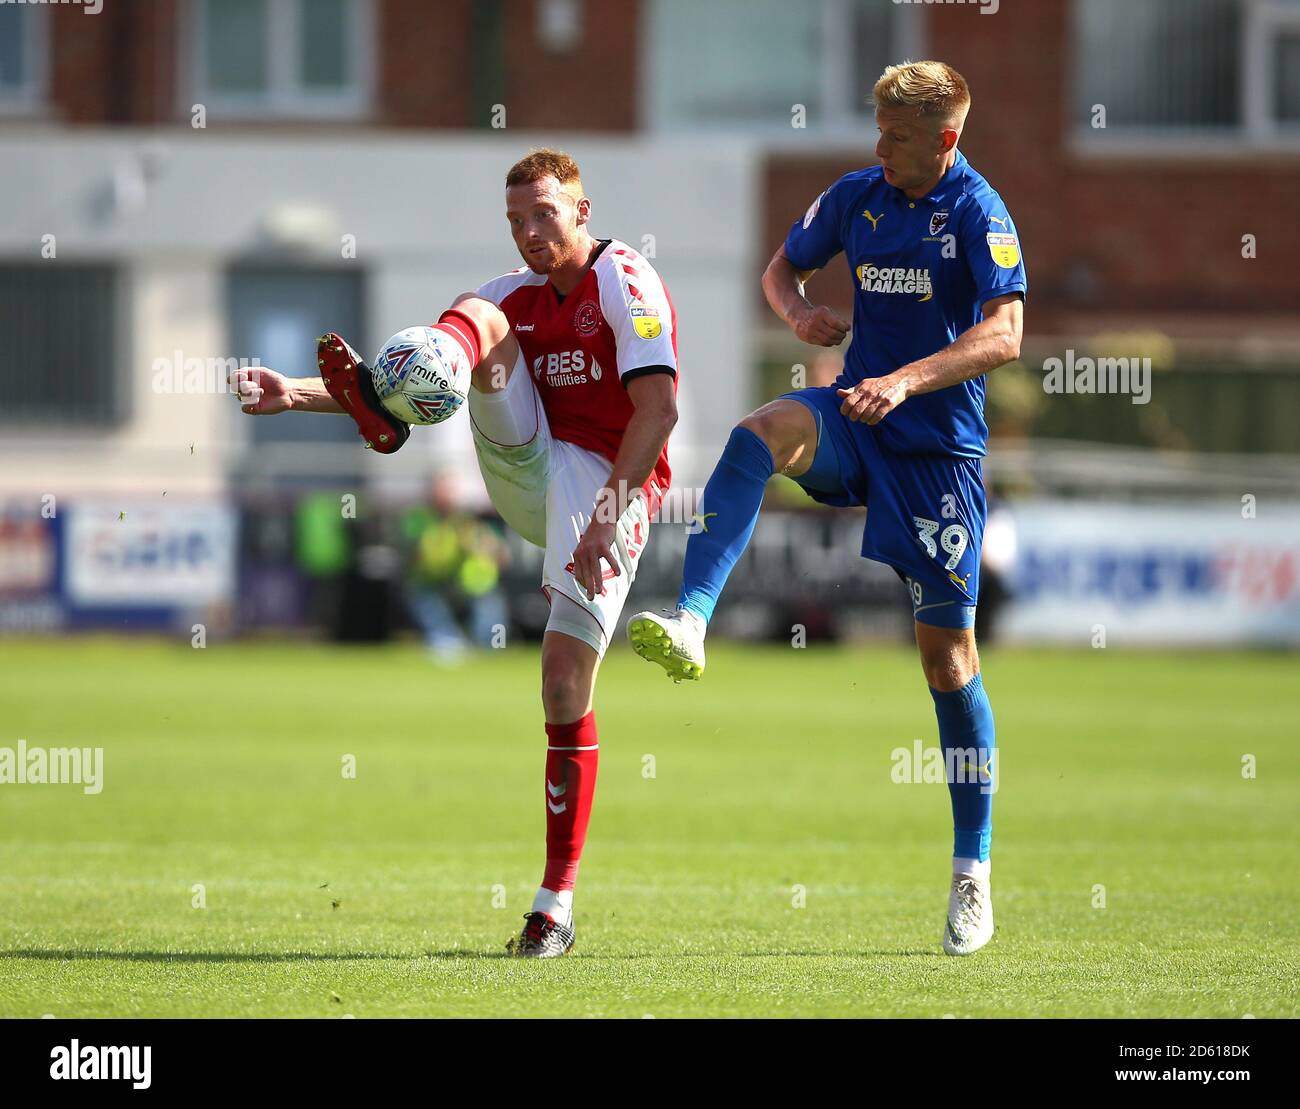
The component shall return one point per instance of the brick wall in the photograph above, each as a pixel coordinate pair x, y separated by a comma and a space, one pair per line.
438, 65
591, 88
1122, 235
423, 72
1100, 235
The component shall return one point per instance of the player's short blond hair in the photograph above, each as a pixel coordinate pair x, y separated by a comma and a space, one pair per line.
538, 164
935, 90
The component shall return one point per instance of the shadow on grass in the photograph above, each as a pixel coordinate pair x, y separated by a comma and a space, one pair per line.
75, 955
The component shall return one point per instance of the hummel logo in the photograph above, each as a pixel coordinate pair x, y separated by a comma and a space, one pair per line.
556, 791
524, 327
874, 219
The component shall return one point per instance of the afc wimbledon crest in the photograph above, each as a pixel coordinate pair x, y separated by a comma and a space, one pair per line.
938, 222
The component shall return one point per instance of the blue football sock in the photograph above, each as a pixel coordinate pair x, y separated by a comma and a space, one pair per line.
728, 512
969, 745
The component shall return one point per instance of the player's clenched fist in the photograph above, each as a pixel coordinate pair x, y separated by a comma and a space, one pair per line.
820, 326
873, 398
261, 391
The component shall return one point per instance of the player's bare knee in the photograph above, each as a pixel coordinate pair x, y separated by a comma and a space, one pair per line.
564, 698
488, 318
767, 429
500, 349
948, 659
785, 427
566, 687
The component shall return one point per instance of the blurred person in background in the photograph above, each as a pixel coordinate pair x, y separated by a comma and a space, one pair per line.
323, 552
453, 567
997, 565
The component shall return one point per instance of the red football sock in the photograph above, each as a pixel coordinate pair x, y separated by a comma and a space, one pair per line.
464, 330
572, 754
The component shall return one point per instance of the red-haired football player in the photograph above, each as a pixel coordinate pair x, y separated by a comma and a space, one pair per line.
573, 397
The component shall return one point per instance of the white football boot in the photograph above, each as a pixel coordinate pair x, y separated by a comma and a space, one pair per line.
674, 638
970, 915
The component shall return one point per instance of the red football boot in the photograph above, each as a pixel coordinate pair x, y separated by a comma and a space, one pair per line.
347, 378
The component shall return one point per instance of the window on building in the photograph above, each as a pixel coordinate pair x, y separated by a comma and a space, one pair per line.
22, 44
1285, 72
285, 57
1171, 67
276, 312
62, 362
825, 56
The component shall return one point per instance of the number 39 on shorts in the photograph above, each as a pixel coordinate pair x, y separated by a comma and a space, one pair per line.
954, 539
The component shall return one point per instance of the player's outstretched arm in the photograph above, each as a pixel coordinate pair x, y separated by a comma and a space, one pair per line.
263, 392
783, 287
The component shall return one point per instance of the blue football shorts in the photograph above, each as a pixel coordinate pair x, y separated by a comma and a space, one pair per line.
925, 513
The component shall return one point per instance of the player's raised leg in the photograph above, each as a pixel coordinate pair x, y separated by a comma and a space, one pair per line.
779, 437
966, 733
498, 348
512, 438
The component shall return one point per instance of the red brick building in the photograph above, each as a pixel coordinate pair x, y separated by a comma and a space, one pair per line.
1110, 227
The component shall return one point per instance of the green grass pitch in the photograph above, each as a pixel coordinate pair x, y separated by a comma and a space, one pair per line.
717, 804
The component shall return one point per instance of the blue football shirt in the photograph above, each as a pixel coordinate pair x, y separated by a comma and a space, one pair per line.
922, 270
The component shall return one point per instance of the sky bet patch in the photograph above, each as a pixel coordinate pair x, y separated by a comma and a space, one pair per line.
1005, 249
646, 321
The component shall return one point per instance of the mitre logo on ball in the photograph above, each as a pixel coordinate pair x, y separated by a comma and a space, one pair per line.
422, 375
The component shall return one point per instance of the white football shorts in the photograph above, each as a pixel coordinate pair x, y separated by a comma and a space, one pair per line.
545, 489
